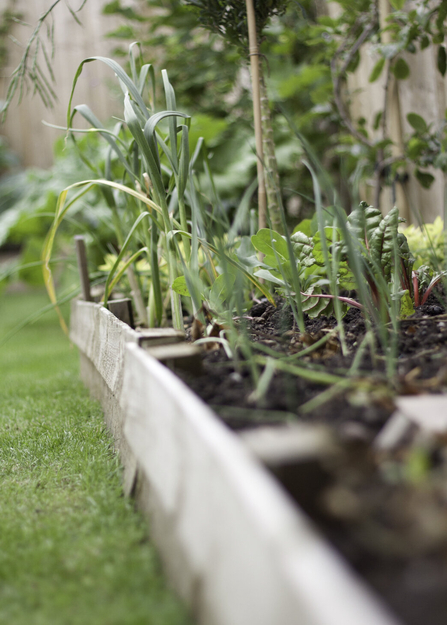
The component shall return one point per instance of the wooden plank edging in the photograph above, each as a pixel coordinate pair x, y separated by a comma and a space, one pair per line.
233, 543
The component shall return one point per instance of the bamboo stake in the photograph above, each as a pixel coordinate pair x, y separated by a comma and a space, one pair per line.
255, 81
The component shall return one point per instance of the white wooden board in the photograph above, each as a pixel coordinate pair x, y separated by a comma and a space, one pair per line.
233, 543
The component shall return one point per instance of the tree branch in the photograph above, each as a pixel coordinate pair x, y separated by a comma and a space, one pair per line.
337, 76
23, 72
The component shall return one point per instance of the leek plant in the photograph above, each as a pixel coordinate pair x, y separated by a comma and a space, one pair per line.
134, 147
156, 200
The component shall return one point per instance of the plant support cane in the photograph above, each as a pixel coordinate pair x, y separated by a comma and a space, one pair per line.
255, 80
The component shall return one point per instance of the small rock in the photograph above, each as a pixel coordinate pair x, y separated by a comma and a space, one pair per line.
434, 310
354, 431
235, 377
258, 309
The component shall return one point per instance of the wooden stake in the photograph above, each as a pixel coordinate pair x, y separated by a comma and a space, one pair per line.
122, 309
82, 266
255, 81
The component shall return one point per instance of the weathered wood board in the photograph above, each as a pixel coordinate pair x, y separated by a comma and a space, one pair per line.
236, 548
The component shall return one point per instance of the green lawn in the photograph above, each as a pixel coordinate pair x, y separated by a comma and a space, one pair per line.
72, 549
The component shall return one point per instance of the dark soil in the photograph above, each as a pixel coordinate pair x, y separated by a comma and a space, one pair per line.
385, 511
422, 367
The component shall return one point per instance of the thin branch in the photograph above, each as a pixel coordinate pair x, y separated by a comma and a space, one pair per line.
23, 71
338, 74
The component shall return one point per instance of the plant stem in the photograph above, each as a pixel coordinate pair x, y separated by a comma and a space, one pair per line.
319, 377
137, 296
255, 81
184, 224
176, 305
272, 182
133, 281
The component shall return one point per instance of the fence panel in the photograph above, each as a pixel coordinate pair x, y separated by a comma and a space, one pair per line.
23, 128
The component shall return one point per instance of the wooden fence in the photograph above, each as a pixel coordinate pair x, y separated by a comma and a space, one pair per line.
424, 93
23, 128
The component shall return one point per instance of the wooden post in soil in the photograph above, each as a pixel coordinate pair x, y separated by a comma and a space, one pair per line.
255, 81
82, 267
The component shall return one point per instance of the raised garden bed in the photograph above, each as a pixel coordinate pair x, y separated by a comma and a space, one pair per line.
377, 488
235, 545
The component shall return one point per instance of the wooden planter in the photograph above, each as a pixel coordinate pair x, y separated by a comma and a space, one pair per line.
234, 545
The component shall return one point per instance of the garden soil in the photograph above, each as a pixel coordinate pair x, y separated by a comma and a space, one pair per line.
386, 511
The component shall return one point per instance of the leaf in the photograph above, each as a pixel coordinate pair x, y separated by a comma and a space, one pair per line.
246, 254
171, 105
222, 287
265, 274
271, 243
417, 122
183, 170
425, 42
354, 63
122, 77
441, 161
120, 257
425, 179
302, 245
406, 305
363, 221
377, 70
89, 116
400, 69
416, 147
377, 120
382, 242
442, 60
304, 227
397, 4
180, 287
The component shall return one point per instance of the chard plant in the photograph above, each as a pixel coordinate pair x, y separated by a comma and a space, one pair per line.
368, 238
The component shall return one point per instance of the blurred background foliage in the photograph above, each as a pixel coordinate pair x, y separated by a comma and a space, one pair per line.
28, 202
212, 83
211, 79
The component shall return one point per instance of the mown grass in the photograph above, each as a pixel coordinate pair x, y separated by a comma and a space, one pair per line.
72, 549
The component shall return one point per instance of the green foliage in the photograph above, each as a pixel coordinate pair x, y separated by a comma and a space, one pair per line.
405, 32
406, 305
418, 123
427, 244
426, 147
7, 18
308, 56
367, 240
210, 82
29, 202
400, 69
442, 60
167, 224
377, 70
425, 178
383, 250
308, 259
11, 178
229, 18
